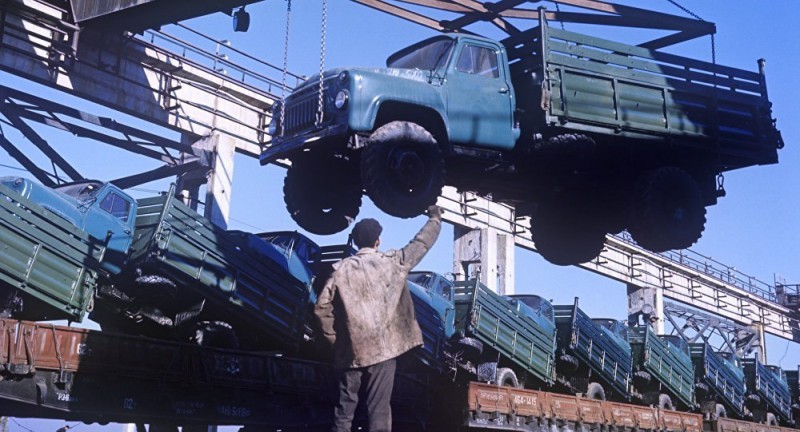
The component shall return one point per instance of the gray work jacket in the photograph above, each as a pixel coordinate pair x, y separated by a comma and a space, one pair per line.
365, 309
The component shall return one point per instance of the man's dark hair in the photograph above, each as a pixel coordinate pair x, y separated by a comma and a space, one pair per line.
366, 232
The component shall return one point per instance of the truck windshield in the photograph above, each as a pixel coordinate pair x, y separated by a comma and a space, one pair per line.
427, 56
433, 283
676, 341
305, 249
613, 326
537, 304
81, 191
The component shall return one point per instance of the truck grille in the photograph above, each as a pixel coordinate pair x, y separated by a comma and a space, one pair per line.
300, 115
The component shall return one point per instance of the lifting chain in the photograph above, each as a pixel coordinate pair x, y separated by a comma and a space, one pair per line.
285, 65
320, 107
558, 13
713, 40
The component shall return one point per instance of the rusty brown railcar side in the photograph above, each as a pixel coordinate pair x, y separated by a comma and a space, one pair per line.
494, 406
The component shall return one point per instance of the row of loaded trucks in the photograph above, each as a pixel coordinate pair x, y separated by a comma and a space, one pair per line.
157, 273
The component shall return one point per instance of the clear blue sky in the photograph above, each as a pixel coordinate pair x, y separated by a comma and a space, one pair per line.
754, 228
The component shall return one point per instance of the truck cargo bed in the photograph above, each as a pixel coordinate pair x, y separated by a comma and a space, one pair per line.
489, 318
618, 90
211, 264
52, 264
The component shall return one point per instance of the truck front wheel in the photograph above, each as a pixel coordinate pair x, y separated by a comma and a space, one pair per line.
668, 210
322, 194
402, 169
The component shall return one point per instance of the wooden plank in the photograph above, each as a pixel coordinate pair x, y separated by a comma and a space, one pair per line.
622, 65
618, 47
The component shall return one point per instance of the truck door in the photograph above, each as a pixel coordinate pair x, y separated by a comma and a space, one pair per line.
112, 216
480, 99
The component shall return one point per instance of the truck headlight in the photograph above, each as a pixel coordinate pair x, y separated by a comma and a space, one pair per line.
273, 126
341, 99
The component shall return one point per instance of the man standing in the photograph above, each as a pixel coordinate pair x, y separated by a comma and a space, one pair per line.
366, 313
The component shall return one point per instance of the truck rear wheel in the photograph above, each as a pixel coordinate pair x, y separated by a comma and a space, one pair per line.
322, 194
507, 377
402, 169
668, 210
665, 402
771, 420
216, 334
595, 391
564, 235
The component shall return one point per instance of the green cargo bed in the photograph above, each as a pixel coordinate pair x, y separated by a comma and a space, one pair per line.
52, 264
486, 316
245, 287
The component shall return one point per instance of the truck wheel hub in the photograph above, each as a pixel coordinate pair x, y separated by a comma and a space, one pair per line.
407, 167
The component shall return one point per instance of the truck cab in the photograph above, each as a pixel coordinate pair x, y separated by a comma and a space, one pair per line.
100, 209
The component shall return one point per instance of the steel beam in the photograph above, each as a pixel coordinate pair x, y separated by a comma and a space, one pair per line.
161, 87
468, 12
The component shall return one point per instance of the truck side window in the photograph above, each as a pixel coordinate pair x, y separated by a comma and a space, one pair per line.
478, 61
117, 206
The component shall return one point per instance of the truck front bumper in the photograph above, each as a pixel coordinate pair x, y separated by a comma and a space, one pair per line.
282, 148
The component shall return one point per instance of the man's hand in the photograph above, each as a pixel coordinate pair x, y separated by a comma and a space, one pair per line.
435, 212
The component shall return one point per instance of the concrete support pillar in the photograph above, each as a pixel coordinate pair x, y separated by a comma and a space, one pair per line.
646, 306
218, 181
485, 251
761, 343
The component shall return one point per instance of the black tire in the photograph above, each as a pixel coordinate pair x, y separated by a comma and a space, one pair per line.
720, 412
642, 378
473, 345
665, 402
564, 235
155, 287
668, 211
402, 169
216, 334
507, 377
322, 194
567, 361
752, 401
595, 391
562, 154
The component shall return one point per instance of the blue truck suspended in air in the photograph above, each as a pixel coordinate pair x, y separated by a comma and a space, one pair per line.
587, 136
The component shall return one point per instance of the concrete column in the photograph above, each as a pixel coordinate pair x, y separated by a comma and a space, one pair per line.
758, 328
646, 306
488, 252
219, 181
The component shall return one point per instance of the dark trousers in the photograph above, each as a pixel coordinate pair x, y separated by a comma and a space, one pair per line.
377, 381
